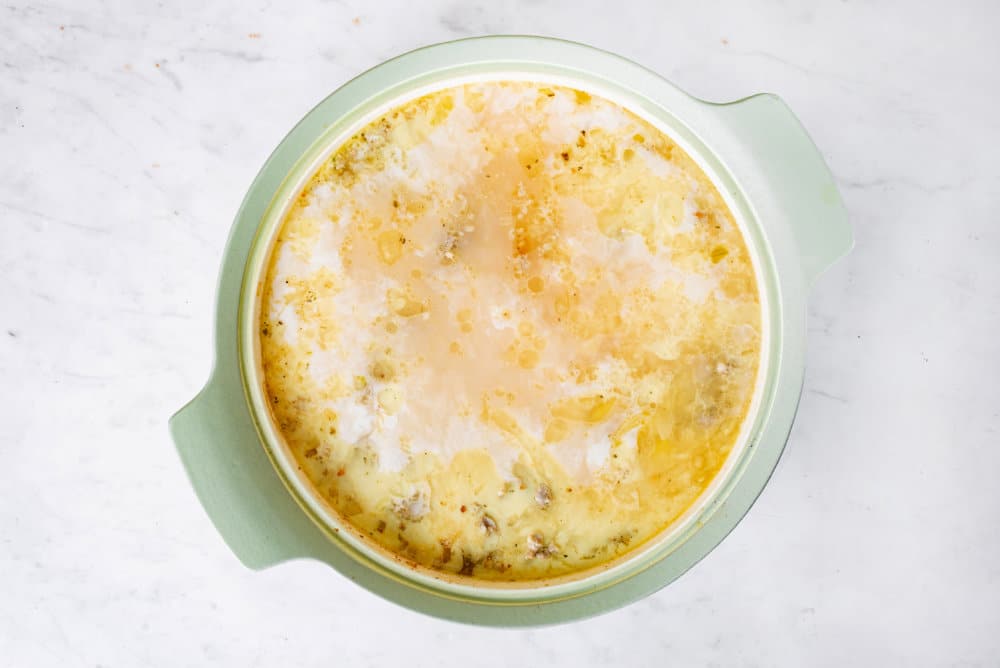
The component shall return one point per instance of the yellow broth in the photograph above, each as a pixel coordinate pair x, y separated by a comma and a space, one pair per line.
510, 331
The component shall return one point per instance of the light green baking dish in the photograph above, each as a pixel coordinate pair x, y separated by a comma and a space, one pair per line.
763, 163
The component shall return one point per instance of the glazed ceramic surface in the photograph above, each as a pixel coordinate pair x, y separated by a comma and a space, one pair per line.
762, 162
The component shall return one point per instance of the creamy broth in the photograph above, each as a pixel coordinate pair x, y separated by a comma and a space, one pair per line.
510, 331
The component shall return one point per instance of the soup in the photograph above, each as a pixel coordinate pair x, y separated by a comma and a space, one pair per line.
510, 331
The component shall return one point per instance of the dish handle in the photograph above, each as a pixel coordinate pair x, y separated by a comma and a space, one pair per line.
795, 173
235, 481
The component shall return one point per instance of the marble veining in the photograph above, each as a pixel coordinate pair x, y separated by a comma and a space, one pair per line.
128, 136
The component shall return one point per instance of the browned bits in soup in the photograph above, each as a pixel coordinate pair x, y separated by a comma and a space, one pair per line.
510, 331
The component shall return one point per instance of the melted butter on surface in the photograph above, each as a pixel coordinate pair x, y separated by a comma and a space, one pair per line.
510, 331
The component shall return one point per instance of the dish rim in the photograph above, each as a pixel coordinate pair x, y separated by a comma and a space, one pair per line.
341, 532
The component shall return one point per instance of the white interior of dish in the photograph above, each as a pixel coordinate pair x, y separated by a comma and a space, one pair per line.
344, 531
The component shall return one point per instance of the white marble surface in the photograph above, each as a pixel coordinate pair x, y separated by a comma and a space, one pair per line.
128, 135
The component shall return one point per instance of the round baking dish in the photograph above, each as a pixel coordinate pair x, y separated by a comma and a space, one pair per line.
774, 182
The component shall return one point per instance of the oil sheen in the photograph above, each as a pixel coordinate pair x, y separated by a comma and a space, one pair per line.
510, 331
